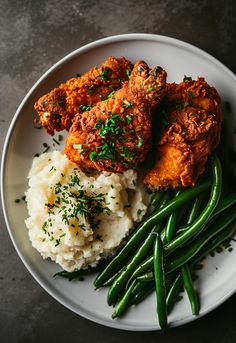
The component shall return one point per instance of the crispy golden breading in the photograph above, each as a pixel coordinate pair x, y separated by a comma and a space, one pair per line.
191, 121
115, 135
57, 108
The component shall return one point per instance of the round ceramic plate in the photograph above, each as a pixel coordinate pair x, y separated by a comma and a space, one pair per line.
217, 281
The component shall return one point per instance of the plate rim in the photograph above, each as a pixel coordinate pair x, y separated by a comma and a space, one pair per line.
54, 67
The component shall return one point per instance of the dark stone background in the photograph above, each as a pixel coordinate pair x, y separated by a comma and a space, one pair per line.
33, 36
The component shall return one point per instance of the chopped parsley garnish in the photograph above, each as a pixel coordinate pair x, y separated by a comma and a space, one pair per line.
77, 146
91, 89
187, 78
112, 131
72, 203
105, 151
149, 89
109, 126
113, 128
86, 107
128, 73
140, 142
190, 93
93, 155
127, 153
54, 140
81, 203
57, 242
46, 146
110, 95
61, 102
182, 105
104, 74
187, 103
44, 226
128, 118
127, 103
78, 75
52, 168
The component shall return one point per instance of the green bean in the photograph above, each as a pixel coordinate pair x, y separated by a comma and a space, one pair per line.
71, 275
145, 266
224, 203
80, 273
156, 198
146, 277
206, 213
124, 302
159, 275
136, 287
120, 281
173, 292
206, 249
185, 271
194, 212
145, 227
141, 253
140, 284
171, 223
188, 286
195, 209
215, 242
141, 295
149, 276
110, 281
178, 282
190, 251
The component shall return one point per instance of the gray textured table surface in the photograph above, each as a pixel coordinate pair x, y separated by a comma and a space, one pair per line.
33, 36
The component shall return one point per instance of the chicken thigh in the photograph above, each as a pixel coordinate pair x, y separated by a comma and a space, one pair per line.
57, 108
115, 135
191, 124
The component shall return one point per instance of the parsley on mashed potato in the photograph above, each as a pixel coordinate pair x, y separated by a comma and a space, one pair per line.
77, 219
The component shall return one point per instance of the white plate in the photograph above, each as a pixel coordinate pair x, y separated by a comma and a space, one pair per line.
218, 280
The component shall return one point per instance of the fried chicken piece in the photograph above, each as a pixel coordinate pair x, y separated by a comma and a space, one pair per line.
57, 108
115, 135
191, 121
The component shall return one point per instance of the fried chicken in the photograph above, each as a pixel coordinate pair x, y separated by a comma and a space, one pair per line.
191, 126
115, 135
57, 108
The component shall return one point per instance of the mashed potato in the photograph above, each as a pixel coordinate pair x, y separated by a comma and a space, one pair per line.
76, 219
